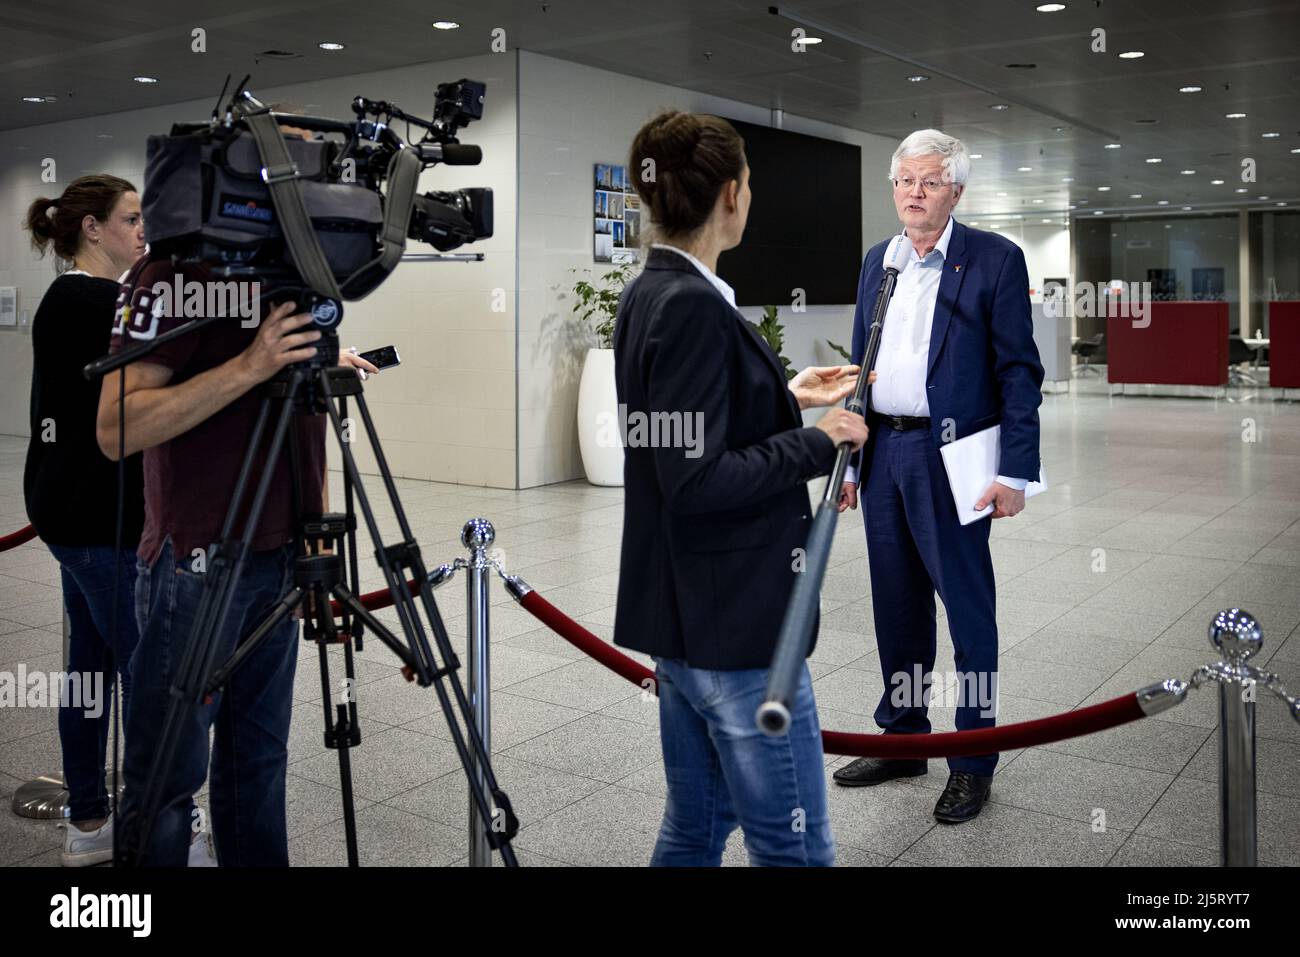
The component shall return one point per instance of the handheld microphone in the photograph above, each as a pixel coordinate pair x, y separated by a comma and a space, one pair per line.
774, 714
896, 254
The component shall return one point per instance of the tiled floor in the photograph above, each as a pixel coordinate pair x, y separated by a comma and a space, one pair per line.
1161, 512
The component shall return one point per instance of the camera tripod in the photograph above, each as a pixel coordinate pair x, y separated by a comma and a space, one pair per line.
308, 388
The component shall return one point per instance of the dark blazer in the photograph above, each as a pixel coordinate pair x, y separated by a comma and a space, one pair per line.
709, 539
984, 366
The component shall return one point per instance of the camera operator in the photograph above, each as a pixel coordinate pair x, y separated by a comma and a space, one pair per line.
191, 405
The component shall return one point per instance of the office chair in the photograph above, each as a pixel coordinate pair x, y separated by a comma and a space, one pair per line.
1239, 354
1085, 349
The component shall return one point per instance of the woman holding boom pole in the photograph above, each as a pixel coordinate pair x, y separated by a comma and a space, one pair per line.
716, 512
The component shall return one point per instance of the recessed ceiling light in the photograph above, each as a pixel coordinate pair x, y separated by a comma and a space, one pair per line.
1162, 202
1071, 206
1241, 189
1234, 116
1098, 212
1103, 189
1050, 7
1270, 136
1296, 150
331, 45
1024, 169
1067, 179
105, 136
974, 222
1187, 207
1038, 201
980, 156
1189, 89
1047, 220
1131, 54
1279, 204
446, 25
810, 40
145, 79
1113, 146
999, 106
1002, 194
1263, 197
917, 78
1134, 195
1216, 182
1154, 159
39, 99
1188, 172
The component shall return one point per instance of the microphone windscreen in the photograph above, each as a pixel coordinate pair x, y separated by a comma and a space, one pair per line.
461, 154
896, 254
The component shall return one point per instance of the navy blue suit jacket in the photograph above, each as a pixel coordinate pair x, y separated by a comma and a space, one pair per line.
984, 367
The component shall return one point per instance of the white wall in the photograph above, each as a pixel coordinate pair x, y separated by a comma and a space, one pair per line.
571, 117
1046, 248
448, 412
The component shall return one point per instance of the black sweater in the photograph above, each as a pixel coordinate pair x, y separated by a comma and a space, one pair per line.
69, 485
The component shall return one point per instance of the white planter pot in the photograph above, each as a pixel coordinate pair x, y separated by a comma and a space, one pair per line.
598, 431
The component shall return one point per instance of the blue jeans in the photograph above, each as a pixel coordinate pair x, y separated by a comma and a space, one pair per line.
250, 748
723, 772
88, 598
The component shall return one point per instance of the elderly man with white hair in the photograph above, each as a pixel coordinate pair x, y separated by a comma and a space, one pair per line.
957, 356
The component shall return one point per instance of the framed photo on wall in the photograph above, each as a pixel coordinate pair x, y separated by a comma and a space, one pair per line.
616, 216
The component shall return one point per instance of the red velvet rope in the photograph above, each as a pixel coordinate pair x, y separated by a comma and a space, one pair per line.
953, 744
1058, 727
374, 600
20, 537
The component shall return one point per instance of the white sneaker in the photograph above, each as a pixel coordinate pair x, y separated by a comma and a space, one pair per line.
84, 848
203, 853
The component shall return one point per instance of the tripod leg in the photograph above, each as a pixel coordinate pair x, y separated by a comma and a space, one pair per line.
393, 559
283, 609
341, 730
224, 568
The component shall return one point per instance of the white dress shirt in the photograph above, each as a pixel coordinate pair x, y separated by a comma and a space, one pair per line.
903, 362
728, 293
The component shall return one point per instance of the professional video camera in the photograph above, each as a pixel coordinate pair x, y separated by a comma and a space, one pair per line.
317, 210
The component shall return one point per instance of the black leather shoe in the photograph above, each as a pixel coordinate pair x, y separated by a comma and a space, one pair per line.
963, 798
865, 772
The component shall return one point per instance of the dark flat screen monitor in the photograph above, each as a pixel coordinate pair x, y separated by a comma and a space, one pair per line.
805, 221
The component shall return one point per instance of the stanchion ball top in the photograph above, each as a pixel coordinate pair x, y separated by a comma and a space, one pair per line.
478, 533
1236, 633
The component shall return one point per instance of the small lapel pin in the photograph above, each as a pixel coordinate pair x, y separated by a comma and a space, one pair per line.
956, 267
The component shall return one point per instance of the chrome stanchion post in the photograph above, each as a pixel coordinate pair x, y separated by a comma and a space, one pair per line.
46, 797
1236, 634
477, 535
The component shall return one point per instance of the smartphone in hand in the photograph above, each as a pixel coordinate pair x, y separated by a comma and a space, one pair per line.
382, 358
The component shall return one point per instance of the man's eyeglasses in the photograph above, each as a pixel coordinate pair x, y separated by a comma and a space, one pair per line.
930, 184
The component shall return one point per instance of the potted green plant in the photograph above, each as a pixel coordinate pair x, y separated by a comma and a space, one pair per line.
599, 438
773, 332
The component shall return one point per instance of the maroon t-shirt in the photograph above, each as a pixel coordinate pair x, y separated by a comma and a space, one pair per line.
189, 480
